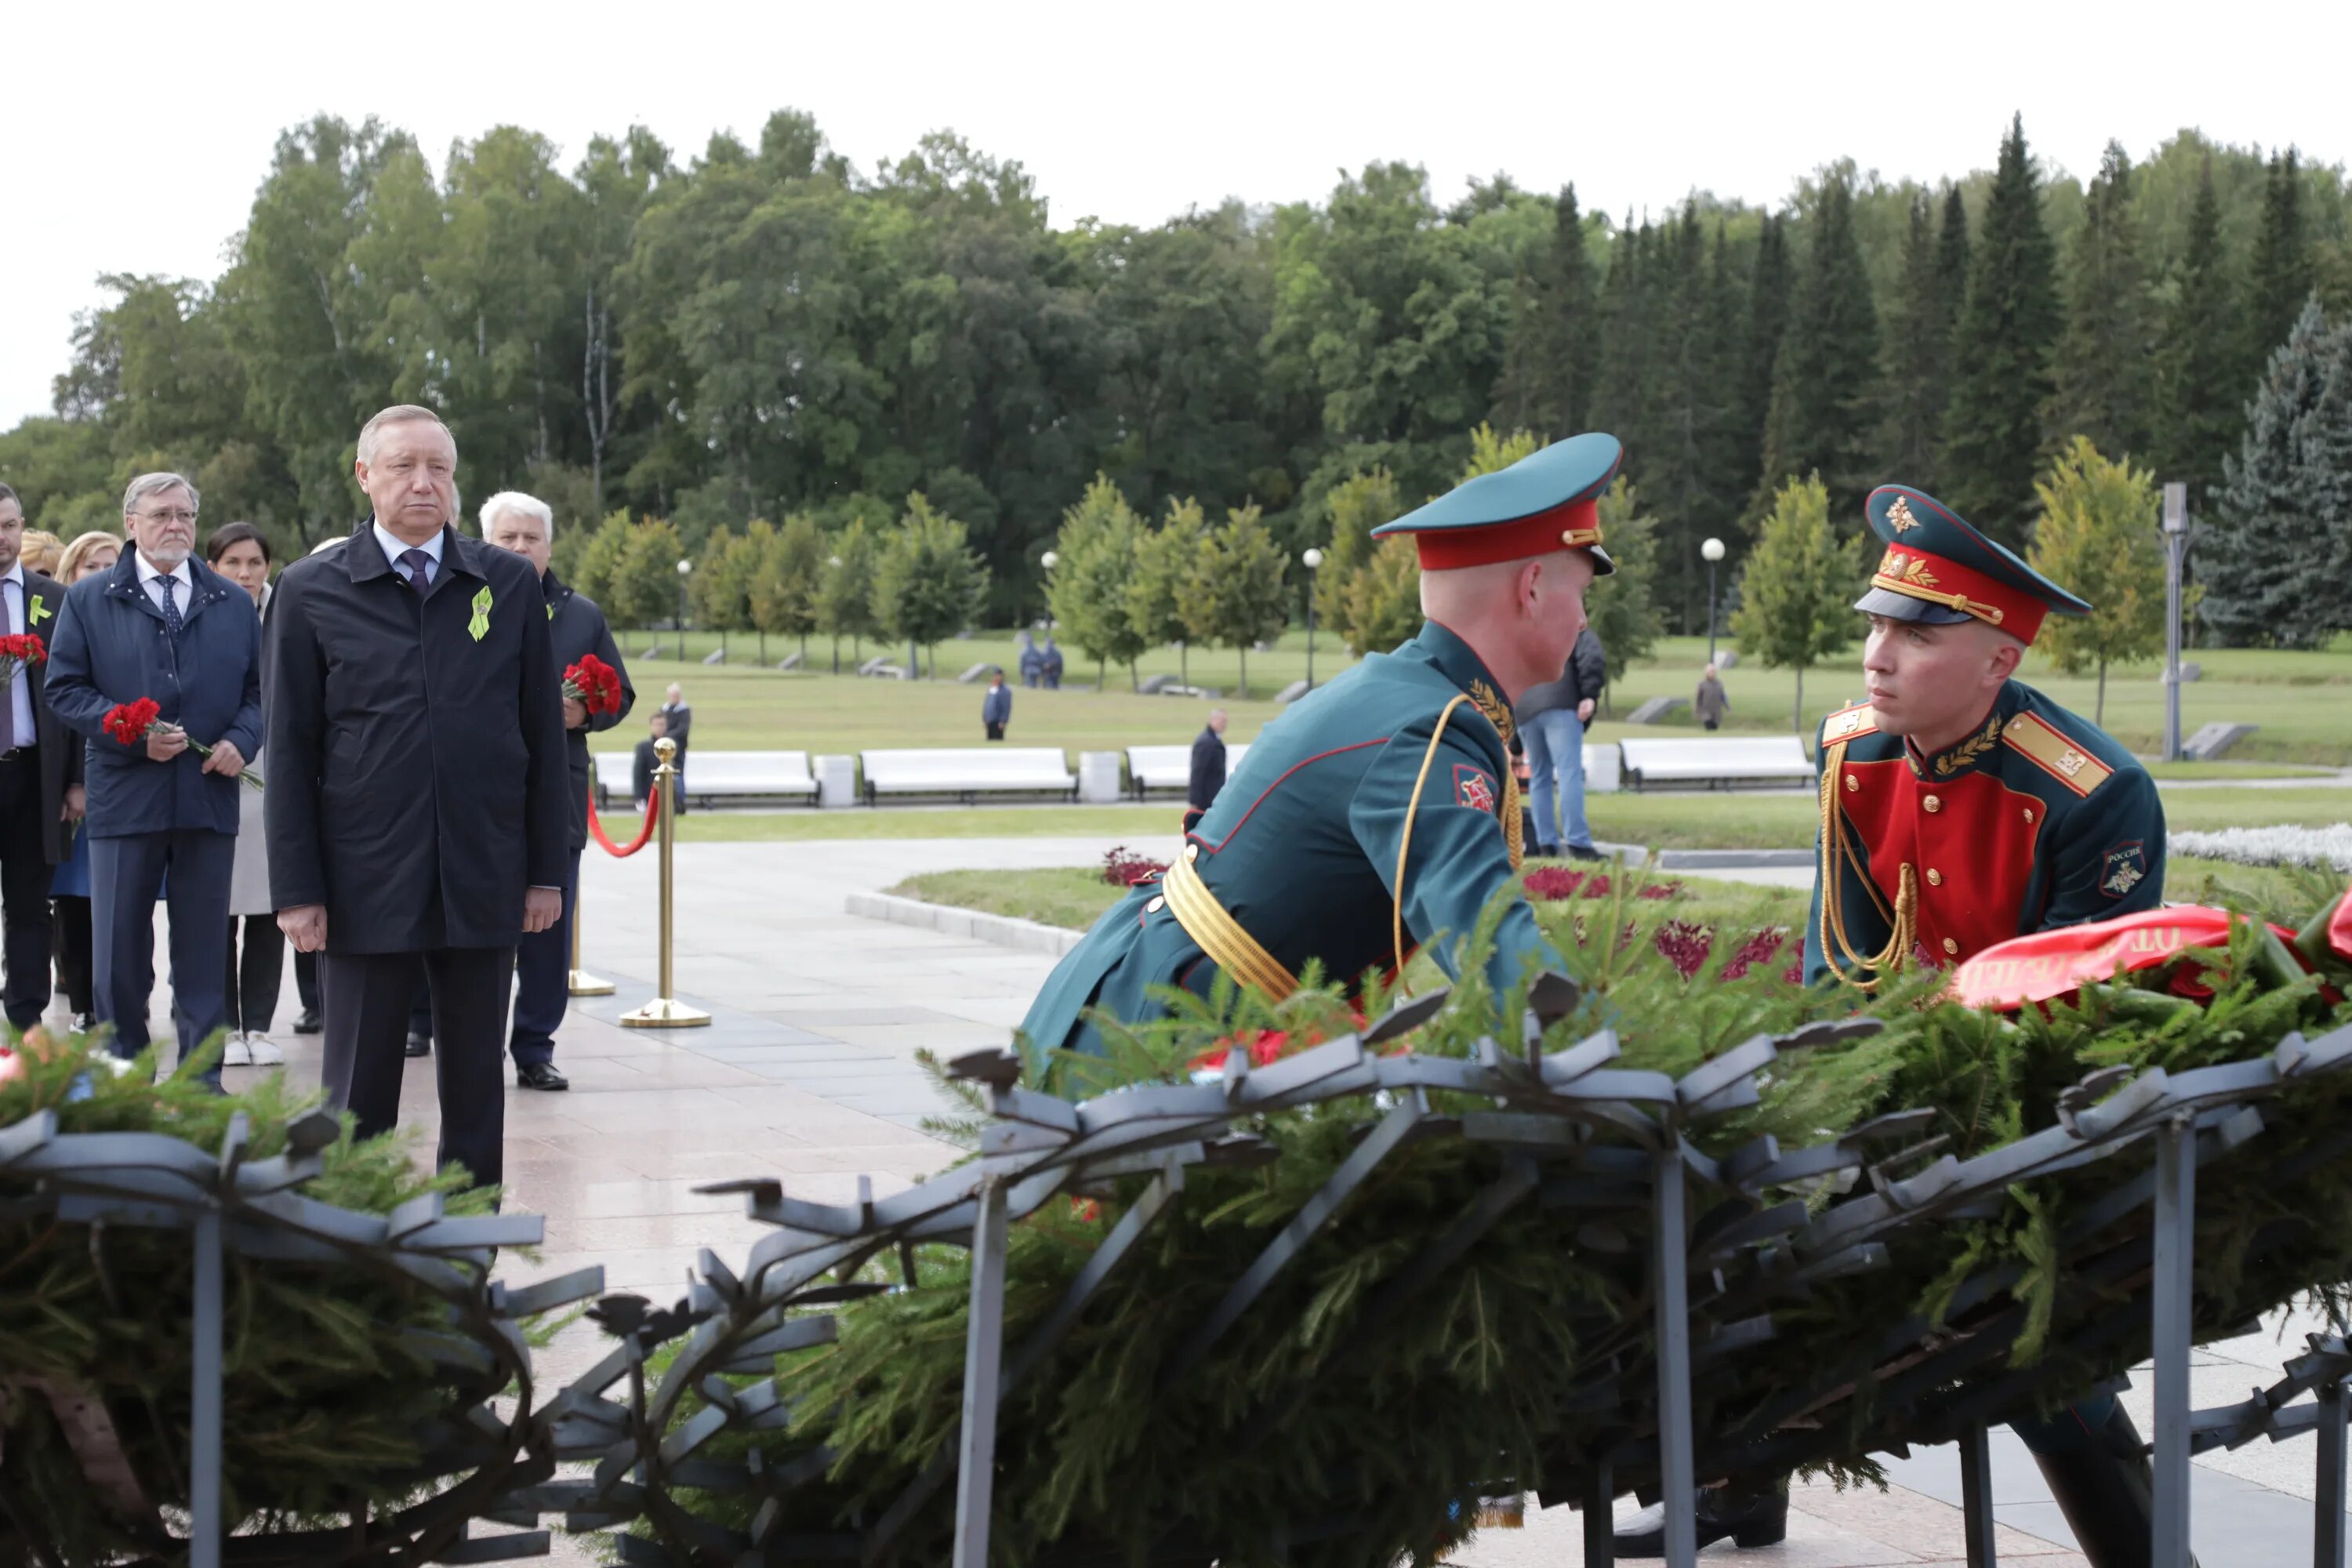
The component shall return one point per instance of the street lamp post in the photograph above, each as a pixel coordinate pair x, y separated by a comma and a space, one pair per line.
2175, 554
1313, 560
1712, 552
684, 568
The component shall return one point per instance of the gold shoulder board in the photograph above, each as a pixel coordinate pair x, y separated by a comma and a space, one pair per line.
1860, 720
2054, 754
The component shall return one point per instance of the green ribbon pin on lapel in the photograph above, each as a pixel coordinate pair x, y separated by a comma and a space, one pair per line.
480, 626
36, 613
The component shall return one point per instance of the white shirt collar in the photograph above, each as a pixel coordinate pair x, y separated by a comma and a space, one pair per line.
147, 572
14, 573
394, 545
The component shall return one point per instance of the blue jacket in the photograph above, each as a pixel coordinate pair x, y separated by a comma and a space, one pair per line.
996, 705
111, 647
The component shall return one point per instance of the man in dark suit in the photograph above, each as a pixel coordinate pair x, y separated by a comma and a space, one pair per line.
679, 718
525, 526
40, 768
1208, 770
166, 626
416, 786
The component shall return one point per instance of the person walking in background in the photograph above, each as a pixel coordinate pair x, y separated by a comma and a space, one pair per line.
1208, 770
416, 734
238, 551
679, 719
996, 706
525, 525
1551, 718
1049, 663
40, 777
161, 628
90, 555
1710, 704
1031, 660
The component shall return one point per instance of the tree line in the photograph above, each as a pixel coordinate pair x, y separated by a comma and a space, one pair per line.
767, 330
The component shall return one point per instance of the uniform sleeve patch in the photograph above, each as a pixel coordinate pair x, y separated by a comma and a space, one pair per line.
2123, 867
1473, 787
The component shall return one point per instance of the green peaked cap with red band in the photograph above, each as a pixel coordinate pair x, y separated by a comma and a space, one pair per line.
1939, 570
1547, 500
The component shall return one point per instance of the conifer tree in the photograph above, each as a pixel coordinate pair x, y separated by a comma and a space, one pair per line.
1952, 258
1692, 464
1768, 319
2283, 550
1555, 346
2008, 331
1623, 392
1825, 381
2200, 392
1918, 373
2106, 371
2280, 278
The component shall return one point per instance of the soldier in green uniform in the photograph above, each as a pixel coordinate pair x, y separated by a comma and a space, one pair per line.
1379, 814
1959, 807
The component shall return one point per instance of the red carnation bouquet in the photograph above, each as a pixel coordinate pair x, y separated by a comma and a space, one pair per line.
132, 723
18, 649
593, 684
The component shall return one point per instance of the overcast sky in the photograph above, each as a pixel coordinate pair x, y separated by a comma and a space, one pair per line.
132, 135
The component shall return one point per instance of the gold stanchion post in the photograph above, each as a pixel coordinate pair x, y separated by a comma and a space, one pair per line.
665, 1011
583, 983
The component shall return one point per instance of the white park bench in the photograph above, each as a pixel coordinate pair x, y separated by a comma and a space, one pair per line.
1717, 761
1153, 768
751, 778
965, 773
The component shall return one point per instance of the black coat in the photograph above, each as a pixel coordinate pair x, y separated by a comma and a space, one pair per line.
61, 761
576, 628
1208, 770
1584, 675
417, 777
681, 723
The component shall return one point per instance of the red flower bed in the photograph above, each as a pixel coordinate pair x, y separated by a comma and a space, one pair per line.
1558, 883
1123, 869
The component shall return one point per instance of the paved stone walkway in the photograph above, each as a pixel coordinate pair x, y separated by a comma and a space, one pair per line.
808, 1073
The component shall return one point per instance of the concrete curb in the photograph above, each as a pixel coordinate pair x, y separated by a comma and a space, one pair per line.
1004, 930
1732, 859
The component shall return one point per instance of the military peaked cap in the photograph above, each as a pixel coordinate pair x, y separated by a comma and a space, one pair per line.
1547, 500
1939, 570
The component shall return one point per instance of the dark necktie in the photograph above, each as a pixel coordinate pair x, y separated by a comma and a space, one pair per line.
171, 606
419, 566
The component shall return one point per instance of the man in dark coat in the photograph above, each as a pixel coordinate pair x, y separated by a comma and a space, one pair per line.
646, 760
995, 706
1208, 770
40, 763
162, 625
576, 629
416, 804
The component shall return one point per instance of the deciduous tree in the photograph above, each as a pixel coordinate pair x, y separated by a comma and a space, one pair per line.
928, 583
1796, 594
2098, 537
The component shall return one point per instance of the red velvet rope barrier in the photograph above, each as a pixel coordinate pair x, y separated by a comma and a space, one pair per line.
596, 827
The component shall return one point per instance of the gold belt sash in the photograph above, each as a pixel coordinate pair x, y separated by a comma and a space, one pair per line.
1214, 930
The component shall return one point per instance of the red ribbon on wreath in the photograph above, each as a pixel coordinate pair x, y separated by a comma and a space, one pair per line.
2048, 965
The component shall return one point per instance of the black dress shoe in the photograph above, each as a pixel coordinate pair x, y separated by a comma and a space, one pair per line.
420, 1046
308, 1023
1584, 852
542, 1075
1750, 1520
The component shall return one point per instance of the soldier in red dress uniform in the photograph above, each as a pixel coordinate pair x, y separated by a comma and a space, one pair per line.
1960, 808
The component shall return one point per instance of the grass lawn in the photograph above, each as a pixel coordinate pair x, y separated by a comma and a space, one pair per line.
2302, 701
1729, 820
1074, 896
